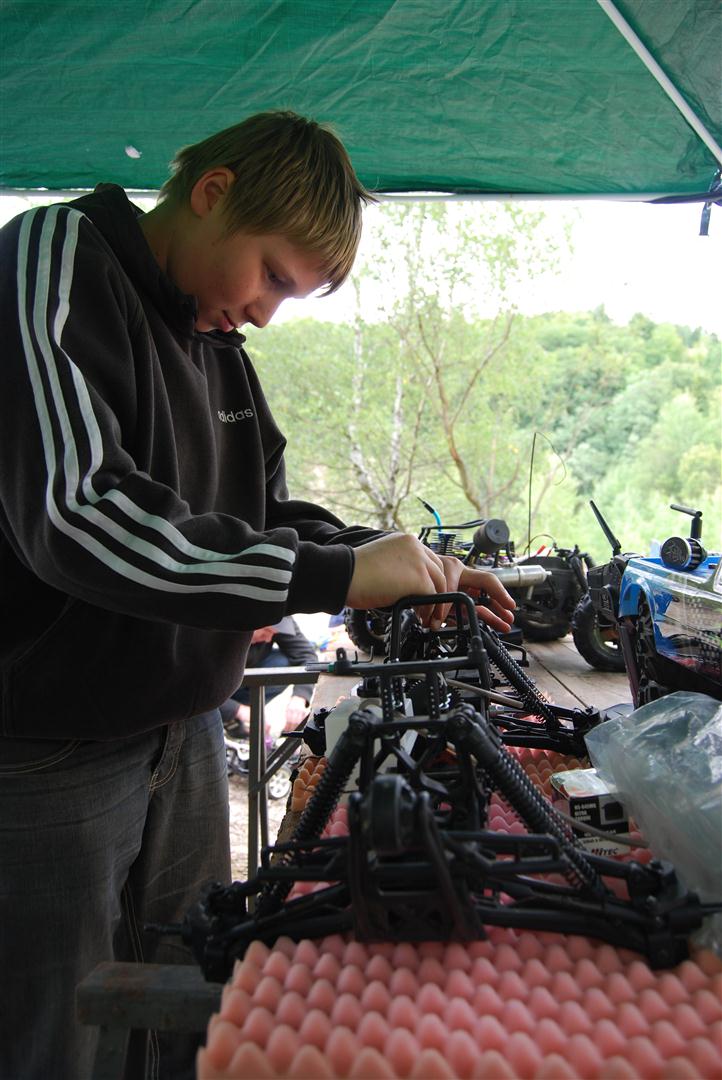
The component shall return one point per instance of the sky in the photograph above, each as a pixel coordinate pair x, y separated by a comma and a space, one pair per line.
629, 256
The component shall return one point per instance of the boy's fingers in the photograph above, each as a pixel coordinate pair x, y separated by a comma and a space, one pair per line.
481, 581
430, 582
497, 622
429, 615
497, 610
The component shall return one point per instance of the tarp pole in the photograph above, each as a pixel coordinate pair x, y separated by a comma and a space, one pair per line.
664, 81
418, 196
531, 196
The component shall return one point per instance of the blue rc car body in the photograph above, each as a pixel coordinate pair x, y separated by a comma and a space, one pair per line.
685, 607
668, 609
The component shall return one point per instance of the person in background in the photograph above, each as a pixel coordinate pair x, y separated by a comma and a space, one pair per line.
281, 645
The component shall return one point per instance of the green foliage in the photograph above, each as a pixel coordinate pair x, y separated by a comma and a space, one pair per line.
437, 391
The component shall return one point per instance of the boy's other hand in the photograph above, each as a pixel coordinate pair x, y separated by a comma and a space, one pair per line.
297, 710
400, 565
498, 606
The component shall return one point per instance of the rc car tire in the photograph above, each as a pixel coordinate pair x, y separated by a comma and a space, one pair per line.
536, 629
600, 653
366, 629
279, 786
650, 666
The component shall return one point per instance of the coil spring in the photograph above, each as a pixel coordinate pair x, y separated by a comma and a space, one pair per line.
317, 813
507, 665
509, 777
520, 792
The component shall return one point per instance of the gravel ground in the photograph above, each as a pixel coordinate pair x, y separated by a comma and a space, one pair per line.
238, 788
238, 798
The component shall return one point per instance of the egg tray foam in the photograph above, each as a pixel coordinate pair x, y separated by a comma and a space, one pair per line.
531, 1006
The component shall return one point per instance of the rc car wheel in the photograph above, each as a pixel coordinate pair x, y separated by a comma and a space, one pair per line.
366, 629
537, 628
236, 766
279, 784
649, 664
597, 642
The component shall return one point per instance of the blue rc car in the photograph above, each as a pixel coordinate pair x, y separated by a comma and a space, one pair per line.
668, 610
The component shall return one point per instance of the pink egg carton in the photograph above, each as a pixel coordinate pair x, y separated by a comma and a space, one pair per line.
538, 764
518, 1005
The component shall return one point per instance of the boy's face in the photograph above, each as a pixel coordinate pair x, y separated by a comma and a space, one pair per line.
237, 278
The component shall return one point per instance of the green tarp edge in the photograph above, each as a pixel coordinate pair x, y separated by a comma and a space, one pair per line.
468, 96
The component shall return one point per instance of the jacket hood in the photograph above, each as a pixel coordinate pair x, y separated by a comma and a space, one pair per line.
118, 221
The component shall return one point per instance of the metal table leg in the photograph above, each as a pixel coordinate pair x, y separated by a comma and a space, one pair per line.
256, 768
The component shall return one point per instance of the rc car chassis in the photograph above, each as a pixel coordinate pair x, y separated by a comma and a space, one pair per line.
418, 862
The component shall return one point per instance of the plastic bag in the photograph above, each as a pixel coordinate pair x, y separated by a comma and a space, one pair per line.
665, 762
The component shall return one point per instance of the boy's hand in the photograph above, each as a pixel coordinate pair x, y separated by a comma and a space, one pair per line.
498, 607
297, 710
400, 565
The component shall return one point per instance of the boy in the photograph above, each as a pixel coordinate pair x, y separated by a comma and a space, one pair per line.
146, 530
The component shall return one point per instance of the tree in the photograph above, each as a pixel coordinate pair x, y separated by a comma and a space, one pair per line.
436, 269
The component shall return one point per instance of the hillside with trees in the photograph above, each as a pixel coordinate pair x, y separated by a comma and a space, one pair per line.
428, 394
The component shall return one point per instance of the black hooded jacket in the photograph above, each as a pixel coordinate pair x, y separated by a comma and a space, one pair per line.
145, 525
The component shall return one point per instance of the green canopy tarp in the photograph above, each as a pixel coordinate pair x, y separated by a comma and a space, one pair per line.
525, 96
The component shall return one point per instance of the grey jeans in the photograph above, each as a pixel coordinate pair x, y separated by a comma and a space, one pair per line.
96, 840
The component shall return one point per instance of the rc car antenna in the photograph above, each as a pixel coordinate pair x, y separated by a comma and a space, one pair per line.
616, 546
435, 513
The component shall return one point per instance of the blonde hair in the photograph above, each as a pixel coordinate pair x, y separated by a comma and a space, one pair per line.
293, 177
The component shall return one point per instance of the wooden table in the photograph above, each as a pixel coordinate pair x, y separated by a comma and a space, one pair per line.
560, 672
161, 997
